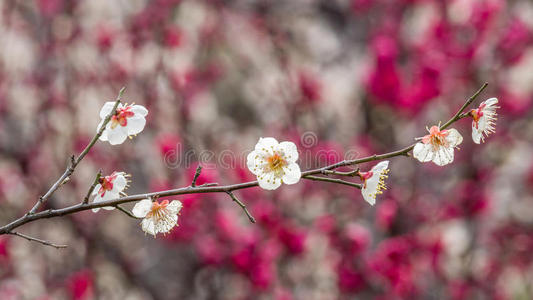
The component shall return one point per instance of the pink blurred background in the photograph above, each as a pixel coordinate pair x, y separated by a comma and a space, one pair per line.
361, 76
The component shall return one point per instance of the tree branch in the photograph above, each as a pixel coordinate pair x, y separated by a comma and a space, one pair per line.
32, 239
333, 180
91, 189
127, 212
214, 188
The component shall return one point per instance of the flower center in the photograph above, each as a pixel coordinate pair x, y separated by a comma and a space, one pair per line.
436, 137
121, 117
276, 162
365, 176
158, 210
106, 184
477, 114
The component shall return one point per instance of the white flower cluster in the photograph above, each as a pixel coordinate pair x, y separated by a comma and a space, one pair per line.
438, 146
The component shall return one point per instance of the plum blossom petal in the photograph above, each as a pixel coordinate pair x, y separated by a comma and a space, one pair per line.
106, 109
142, 208
292, 174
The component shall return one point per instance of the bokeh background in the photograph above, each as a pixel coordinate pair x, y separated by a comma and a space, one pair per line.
361, 76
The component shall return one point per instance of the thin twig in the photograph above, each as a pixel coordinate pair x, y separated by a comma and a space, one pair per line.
458, 115
75, 161
349, 173
196, 175
91, 189
127, 212
234, 198
32, 239
333, 180
210, 188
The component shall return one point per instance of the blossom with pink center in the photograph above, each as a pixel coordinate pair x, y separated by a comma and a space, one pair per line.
374, 181
274, 163
437, 146
157, 217
128, 120
110, 187
484, 119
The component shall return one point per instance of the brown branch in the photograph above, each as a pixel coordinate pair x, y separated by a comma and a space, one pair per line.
213, 188
32, 239
459, 114
333, 180
127, 212
75, 161
91, 189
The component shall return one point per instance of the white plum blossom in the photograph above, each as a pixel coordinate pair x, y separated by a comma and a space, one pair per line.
484, 119
110, 187
157, 217
437, 146
374, 181
128, 120
274, 163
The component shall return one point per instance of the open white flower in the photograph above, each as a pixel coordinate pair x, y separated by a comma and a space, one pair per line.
437, 146
157, 217
110, 187
484, 119
274, 163
374, 181
128, 120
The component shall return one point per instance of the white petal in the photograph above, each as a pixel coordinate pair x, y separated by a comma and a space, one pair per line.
443, 156
139, 109
380, 166
103, 137
482, 124
491, 101
109, 195
454, 138
107, 108
119, 183
96, 189
292, 174
476, 134
142, 208
266, 145
117, 136
174, 206
165, 226
268, 181
423, 152
135, 124
148, 226
366, 195
256, 162
290, 152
